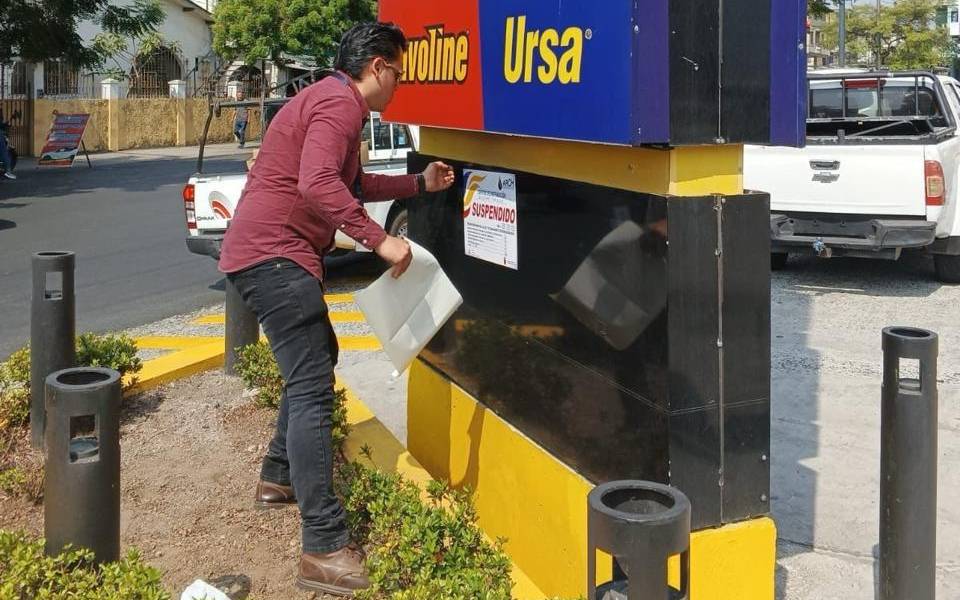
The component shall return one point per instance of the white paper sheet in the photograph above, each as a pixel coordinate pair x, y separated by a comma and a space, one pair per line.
406, 313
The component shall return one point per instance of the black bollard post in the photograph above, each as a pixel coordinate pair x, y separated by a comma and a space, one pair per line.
82, 484
241, 327
908, 467
52, 328
642, 524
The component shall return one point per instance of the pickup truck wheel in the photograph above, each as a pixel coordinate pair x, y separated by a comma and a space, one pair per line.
778, 260
947, 267
398, 225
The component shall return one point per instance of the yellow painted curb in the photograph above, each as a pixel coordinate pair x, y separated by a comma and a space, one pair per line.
358, 342
190, 360
338, 298
335, 317
349, 316
155, 342
219, 319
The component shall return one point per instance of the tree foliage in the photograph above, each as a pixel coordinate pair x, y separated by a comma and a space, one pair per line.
252, 30
37, 30
820, 8
908, 35
117, 50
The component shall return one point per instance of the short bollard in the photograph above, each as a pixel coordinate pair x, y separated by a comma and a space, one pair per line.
642, 524
908, 467
241, 327
82, 484
52, 328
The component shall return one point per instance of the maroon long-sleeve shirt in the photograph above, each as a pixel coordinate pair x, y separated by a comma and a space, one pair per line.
300, 189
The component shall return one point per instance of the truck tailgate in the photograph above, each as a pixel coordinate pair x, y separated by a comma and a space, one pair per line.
216, 199
870, 179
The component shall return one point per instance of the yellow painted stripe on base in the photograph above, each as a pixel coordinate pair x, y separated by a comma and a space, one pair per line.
456, 438
157, 342
389, 455
683, 171
176, 365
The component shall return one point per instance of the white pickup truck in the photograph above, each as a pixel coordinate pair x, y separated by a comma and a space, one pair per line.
210, 200
880, 172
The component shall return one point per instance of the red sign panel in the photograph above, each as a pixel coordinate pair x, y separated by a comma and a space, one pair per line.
442, 68
63, 140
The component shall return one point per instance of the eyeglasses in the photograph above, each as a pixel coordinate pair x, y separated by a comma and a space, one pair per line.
398, 73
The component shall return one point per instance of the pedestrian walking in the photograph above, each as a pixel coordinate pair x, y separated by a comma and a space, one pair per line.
240, 119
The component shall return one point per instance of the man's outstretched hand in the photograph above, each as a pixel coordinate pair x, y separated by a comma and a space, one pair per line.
438, 176
395, 251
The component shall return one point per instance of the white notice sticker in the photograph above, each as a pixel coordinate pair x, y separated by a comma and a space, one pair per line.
490, 217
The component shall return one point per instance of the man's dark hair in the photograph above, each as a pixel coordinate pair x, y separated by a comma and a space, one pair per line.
365, 42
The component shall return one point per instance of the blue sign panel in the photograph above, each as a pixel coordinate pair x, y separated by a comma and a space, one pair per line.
557, 69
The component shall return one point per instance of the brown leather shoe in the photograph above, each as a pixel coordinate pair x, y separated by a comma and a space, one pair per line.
274, 495
339, 573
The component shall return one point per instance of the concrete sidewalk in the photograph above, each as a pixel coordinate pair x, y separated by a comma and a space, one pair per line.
145, 154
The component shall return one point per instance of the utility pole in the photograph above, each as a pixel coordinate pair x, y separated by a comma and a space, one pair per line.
843, 32
878, 36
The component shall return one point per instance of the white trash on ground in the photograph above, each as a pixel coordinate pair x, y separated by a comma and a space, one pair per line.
201, 590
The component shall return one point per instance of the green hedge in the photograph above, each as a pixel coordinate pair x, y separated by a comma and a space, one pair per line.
25, 572
117, 352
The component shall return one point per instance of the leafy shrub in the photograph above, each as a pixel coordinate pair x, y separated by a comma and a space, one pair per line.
259, 371
17, 368
421, 550
14, 405
15, 389
114, 351
12, 480
21, 467
26, 573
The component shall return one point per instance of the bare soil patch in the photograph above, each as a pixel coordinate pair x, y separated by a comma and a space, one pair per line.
191, 459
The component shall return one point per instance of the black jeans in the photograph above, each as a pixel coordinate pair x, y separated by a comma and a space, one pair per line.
289, 304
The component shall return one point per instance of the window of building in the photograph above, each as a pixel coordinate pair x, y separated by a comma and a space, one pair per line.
60, 78
13, 79
954, 15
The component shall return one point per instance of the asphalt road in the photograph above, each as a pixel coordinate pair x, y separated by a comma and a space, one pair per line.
124, 219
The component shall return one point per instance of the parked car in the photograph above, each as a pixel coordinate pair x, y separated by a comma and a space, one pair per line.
880, 172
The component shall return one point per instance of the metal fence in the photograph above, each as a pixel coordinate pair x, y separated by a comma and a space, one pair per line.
151, 74
16, 108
